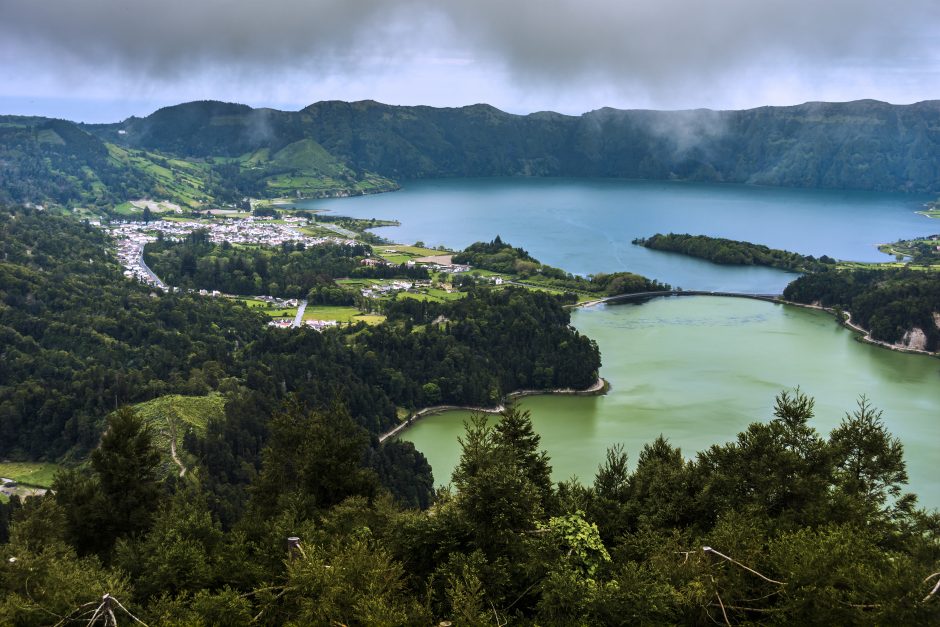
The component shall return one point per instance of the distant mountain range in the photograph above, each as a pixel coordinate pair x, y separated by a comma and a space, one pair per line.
204, 152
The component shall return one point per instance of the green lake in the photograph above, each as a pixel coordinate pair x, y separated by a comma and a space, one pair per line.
695, 369
699, 369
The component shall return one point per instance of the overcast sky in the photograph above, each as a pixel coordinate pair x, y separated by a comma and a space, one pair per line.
103, 60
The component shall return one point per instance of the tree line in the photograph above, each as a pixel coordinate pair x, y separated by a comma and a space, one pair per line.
782, 525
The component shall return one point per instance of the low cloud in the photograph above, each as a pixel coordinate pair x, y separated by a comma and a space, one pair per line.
648, 48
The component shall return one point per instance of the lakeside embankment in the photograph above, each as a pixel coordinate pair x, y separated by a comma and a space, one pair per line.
863, 334
601, 386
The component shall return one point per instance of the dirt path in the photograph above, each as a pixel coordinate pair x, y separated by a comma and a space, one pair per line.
176, 459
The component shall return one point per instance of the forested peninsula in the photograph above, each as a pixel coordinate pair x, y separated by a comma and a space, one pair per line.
502, 257
734, 252
899, 306
81, 340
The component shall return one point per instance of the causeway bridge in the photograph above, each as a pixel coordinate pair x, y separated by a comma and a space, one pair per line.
771, 298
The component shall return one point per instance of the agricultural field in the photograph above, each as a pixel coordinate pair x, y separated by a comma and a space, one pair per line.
344, 315
36, 474
268, 308
433, 294
398, 253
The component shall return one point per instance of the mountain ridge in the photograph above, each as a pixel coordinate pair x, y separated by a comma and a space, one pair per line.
366, 146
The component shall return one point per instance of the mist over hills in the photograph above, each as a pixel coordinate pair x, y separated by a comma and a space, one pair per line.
864, 145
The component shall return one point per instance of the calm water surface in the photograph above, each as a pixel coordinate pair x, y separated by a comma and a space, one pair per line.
695, 369
586, 226
700, 369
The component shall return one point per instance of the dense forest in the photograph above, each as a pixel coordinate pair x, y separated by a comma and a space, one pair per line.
80, 340
291, 270
783, 525
887, 302
499, 256
734, 252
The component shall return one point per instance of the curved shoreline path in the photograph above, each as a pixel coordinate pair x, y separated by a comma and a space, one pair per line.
597, 388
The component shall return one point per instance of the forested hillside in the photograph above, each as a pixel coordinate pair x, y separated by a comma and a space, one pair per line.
855, 145
891, 303
81, 340
209, 152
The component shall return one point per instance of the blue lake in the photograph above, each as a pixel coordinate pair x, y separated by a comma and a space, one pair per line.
586, 226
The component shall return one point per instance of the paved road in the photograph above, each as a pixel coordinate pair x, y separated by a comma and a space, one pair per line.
150, 272
299, 318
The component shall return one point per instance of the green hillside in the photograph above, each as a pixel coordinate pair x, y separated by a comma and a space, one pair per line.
172, 416
859, 145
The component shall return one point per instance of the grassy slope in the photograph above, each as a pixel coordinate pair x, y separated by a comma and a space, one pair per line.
305, 167
173, 415
183, 182
39, 474
340, 314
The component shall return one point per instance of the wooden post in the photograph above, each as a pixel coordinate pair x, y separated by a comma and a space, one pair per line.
293, 547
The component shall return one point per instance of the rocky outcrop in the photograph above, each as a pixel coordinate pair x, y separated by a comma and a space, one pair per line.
914, 339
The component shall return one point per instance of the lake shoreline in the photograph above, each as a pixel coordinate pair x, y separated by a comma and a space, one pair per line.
861, 334
598, 388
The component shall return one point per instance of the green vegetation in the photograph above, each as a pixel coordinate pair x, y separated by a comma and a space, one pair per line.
783, 522
890, 303
348, 315
61, 163
80, 339
288, 271
173, 417
204, 154
500, 257
268, 308
734, 252
801, 146
919, 252
38, 474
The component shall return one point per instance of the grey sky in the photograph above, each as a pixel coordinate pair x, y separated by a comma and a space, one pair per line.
105, 59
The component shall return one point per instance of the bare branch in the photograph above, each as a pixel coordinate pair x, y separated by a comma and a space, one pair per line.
709, 549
